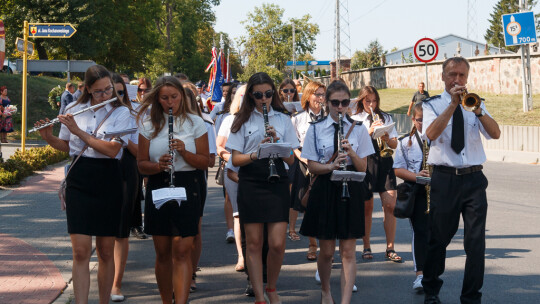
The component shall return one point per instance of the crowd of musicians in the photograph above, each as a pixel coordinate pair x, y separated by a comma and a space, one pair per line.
177, 139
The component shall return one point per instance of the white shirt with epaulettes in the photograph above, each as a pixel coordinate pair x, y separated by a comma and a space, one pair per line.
301, 122
409, 154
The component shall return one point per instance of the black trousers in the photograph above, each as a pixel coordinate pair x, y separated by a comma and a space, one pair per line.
419, 225
452, 196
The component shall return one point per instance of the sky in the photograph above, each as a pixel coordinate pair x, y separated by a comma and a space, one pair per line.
395, 23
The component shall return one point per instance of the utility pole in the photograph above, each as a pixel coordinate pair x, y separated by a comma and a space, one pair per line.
526, 63
338, 42
293, 51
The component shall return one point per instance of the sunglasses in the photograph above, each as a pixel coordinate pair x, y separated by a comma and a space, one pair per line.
418, 119
344, 103
260, 95
120, 93
287, 91
143, 90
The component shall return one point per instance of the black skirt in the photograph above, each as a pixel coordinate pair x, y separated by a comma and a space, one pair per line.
94, 197
380, 175
297, 173
171, 219
327, 217
130, 174
260, 201
202, 176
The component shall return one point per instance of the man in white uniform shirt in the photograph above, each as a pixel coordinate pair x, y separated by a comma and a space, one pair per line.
458, 185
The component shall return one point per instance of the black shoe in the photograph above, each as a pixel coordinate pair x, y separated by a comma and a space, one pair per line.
431, 299
249, 290
138, 233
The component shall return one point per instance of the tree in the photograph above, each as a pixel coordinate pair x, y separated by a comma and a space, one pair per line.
268, 44
494, 34
370, 57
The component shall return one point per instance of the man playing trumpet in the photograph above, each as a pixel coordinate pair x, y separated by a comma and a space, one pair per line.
458, 185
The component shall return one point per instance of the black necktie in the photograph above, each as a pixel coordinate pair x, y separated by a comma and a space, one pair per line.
458, 131
336, 131
313, 116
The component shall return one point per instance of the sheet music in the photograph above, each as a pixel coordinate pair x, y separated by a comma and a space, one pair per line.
164, 195
293, 106
422, 180
380, 130
339, 175
268, 150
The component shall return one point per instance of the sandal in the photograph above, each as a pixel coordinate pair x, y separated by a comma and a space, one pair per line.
312, 253
293, 236
391, 255
193, 286
367, 254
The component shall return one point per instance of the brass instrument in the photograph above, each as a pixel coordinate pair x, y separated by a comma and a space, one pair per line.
52, 122
470, 101
273, 176
343, 165
429, 168
385, 151
171, 151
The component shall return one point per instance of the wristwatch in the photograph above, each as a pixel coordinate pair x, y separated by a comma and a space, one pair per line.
482, 113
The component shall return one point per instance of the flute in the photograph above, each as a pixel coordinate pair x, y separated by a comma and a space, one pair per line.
52, 122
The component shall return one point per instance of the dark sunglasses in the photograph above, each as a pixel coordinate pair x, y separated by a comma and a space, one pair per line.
344, 103
287, 91
260, 95
143, 90
121, 92
418, 119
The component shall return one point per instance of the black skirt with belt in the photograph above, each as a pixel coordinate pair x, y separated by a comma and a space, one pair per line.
260, 201
327, 217
171, 219
380, 175
94, 195
130, 174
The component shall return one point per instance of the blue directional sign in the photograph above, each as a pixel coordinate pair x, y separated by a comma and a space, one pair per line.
519, 28
50, 30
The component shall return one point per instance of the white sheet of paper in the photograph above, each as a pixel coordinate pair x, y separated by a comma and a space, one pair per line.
339, 175
423, 180
267, 150
293, 106
379, 131
163, 195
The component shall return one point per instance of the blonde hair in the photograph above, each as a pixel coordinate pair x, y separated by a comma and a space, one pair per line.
309, 90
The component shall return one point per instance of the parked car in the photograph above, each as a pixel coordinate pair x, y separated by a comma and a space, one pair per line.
9, 67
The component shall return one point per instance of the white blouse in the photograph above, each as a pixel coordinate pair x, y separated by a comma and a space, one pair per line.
187, 131
87, 121
408, 157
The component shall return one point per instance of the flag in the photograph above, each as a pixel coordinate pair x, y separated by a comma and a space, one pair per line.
217, 80
2, 44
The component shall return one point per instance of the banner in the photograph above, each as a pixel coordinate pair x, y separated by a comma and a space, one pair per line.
2, 43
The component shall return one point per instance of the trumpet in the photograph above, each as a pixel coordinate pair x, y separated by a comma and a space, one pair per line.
470, 101
343, 167
385, 151
273, 176
171, 151
56, 120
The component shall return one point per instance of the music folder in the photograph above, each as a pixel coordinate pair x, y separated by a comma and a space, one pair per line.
380, 130
422, 180
164, 195
268, 150
339, 176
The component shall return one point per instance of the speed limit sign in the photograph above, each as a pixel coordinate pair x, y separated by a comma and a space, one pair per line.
426, 50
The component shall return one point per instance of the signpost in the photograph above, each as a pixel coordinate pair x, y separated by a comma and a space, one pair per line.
37, 30
520, 29
426, 50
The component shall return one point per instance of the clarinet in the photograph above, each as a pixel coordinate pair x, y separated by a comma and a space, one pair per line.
273, 176
342, 165
171, 151
429, 168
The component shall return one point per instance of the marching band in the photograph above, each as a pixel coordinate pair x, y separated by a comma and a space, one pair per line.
168, 139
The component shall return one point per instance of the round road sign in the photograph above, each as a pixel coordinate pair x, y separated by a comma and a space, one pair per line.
426, 50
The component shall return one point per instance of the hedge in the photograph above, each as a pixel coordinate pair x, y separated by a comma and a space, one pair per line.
21, 165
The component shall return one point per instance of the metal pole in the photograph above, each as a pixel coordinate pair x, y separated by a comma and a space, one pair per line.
68, 70
427, 79
24, 91
526, 69
338, 42
293, 51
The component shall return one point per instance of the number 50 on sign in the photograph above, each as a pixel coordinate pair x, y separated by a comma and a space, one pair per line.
426, 50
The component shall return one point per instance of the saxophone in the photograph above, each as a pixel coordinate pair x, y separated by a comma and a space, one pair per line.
385, 151
171, 151
429, 168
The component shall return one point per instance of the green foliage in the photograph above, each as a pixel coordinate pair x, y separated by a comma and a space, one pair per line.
21, 165
370, 57
268, 43
494, 34
55, 93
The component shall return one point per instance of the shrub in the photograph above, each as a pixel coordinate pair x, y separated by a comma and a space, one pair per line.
54, 97
21, 165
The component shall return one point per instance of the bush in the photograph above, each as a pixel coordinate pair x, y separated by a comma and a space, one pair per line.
54, 97
21, 165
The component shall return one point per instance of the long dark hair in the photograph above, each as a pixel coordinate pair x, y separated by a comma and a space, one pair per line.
93, 74
248, 104
285, 82
156, 112
228, 99
125, 100
365, 92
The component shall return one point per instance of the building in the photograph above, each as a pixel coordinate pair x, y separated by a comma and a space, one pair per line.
311, 66
449, 46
